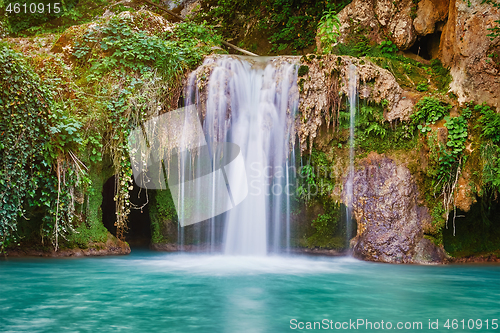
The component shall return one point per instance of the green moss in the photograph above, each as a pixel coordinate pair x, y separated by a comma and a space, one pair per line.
476, 232
91, 228
301, 84
329, 230
440, 76
303, 70
408, 72
163, 218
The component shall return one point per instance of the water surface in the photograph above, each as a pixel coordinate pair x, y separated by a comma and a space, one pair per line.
157, 292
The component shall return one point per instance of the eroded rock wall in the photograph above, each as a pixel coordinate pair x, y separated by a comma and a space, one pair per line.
379, 18
461, 40
389, 217
465, 48
327, 80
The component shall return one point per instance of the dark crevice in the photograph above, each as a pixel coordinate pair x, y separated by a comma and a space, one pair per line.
108, 205
476, 231
427, 46
139, 223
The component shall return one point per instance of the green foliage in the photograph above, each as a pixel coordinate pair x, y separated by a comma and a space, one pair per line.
324, 226
328, 30
440, 75
122, 45
428, 110
315, 180
457, 134
489, 123
445, 159
370, 122
287, 24
358, 46
490, 154
328, 233
306, 182
94, 144
163, 217
24, 128
386, 46
33, 13
422, 87
32, 142
90, 229
374, 133
303, 70
442, 164
65, 135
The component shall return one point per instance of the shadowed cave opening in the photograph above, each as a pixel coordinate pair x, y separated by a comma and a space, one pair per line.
427, 46
139, 222
476, 231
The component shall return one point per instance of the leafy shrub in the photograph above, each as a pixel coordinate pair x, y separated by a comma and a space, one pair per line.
457, 133
489, 122
328, 31
386, 46
371, 122
125, 46
33, 141
27, 18
428, 110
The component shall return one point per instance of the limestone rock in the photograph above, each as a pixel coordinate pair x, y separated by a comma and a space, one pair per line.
379, 19
390, 220
317, 89
429, 13
465, 47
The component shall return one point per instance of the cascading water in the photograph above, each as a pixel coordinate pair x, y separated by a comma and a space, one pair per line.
252, 104
353, 95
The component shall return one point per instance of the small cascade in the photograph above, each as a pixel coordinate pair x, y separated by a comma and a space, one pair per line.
353, 96
251, 103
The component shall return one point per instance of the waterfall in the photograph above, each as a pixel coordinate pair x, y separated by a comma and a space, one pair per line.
353, 95
251, 103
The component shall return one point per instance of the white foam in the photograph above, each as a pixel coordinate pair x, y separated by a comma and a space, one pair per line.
245, 265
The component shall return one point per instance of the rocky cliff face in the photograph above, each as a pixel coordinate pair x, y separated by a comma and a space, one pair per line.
391, 222
390, 218
431, 15
379, 18
461, 40
327, 82
466, 49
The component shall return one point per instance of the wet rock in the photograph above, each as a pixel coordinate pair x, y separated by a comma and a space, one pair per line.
390, 219
428, 253
465, 47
